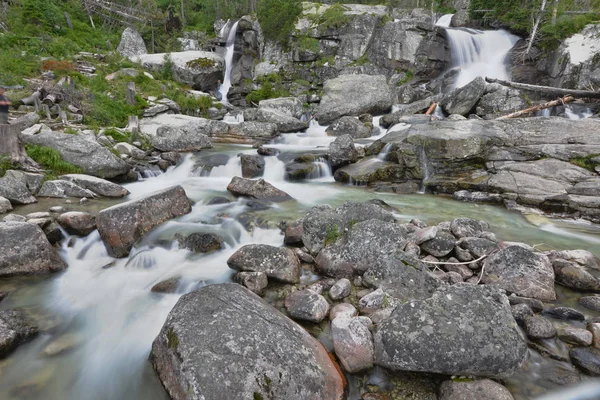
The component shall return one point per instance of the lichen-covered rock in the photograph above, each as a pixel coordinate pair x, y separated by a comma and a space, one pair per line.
60, 188
99, 186
340, 289
468, 227
538, 327
255, 281
441, 245
77, 222
285, 123
306, 305
277, 262
350, 126
25, 250
342, 151
461, 330
131, 43
15, 329
122, 225
5, 205
223, 341
199, 242
462, 100
181, 138
258, 189
15, 191
32, 180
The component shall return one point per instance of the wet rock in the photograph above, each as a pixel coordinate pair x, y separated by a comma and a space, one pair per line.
429, 335
306, 305
564, 313
61, 189
535, 304
441, 245
122, 225
15, 329
586, 359
99, 186
24, 250
349, 126
77, 222
258, 189
278, 263
353, 343
62, 344
520, 312
167, 286
520, 271
15, 191
343, 310
252, 166
538, 327
462, 100
467, 227
341, 289
266, 151
372, 302
576, 336
483, 389
591, 302
199, 242
255, 281
342, 151
293, 234
594, 328
225, 333
364, 244
53, 233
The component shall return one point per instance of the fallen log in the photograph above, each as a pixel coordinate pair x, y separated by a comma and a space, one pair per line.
431, 109
549, 90
564, 100
31, 99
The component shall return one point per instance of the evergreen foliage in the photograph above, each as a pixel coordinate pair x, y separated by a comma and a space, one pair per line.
277, 18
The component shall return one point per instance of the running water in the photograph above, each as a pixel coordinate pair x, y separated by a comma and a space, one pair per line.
228, 62
478, 53
384, 152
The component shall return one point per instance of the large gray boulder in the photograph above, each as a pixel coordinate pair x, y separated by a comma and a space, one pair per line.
461, 330
25, 250
499, 100
15, 329
225, 342
258, 189
32, 180
342, 151
462, 100
290, 106
354, 95
279, 263
131, 44
5, 205
181, 138
350, 126
122, 225
99, 186
249, 132
520, 271
83, 152
77, 222
285, 123
15, 190
60, 188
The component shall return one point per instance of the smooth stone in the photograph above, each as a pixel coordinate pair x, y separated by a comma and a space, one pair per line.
576, 336
587, 359
341, 289
484, 389
538, 327
306, 305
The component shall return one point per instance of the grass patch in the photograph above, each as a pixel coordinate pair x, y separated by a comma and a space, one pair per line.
332, 234
117, 135
585, 162
51, 161
5, 165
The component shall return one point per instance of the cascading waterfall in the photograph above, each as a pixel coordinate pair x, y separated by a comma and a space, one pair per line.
478, 53
228, 62
322, 171
425, 168
384, 152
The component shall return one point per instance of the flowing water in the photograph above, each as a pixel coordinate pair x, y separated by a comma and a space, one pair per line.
229, 50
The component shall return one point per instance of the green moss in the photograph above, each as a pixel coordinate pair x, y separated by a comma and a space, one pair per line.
407, 77
585, 162
364, 59
308, 44
51, 160
257, 396
117, 135
332, 234
5, 165
172, 339
202, 62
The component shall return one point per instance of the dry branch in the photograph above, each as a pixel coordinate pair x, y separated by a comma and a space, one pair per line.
549, 90
564, 100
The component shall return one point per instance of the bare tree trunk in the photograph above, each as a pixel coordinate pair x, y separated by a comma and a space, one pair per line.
554, 12
536, 25
549, 104
548, 90
182, 15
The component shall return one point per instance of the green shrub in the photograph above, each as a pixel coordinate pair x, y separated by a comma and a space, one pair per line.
5, 165
333, 17
51, 161
277, 18
332, 234
118, 136
308, 44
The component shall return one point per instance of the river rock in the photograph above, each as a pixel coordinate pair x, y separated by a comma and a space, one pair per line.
99, 186
493, 345
538, 327
285, 123
5, 205
83, 152
364, 244
306, 305
131, 43
574, 275
520, 312
482, 389
15, 329
180, 138
343, 310
24, 250
354, 95
200, 242
462, 100
122, 225
15, 190
60, 188
349, 126
576, 336
353, 343
402, 276
255, 281
591, 302
341, 289
441, 245
342, 151
372, 302
252, 166
167, 286
77, 222
467, 227
520, 271
249, 132
565, 313
278, 263
293, 234
369, 170
32, 180
223, 341
257, 189
587, 359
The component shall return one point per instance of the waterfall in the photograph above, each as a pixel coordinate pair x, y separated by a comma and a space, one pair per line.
274, 170
384, 152
322, 171
228, 62
478, 53
445, 21
425, 168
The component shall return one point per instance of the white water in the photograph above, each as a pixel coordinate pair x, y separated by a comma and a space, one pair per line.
384, 152
479, 53
234, 119
322, 171
445, 20
313, 138
570, 113
228, 62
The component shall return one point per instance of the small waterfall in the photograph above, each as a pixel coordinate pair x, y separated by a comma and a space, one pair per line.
425, 168
229, 170
384, 152
438, 113
445, 21
479, 53
228, 62
322, 171
234, 118
575, 114
274, 170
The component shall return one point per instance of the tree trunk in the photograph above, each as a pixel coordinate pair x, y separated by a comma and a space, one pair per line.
536, 25
548, 90
549, 104
554, 12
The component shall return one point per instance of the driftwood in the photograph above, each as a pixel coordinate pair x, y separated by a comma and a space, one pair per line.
431, 109
548, 90
564, 100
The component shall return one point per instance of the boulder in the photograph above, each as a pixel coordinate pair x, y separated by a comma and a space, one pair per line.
342, 309
5, 205
257, 189
99, 186
278, 263
167, 286
24, 250
481, 389
368, 170
349, 126
122, 225
252, 166
60, 188
77, 222
250, 132
306, 305
223, 341
441, 245
15, 329
462, 100
590, 302
293, 234
15, 191
200, 242
131, 44
461, 330
499, 100
181, 138
291, 106
354, 95
520, 271
467, 227
575, 336
33, 181
342, 151
353, 343
83, 152
285, 123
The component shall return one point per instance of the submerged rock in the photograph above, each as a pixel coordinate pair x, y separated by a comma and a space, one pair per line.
199, 242
15, 330
77, 222
223, 341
